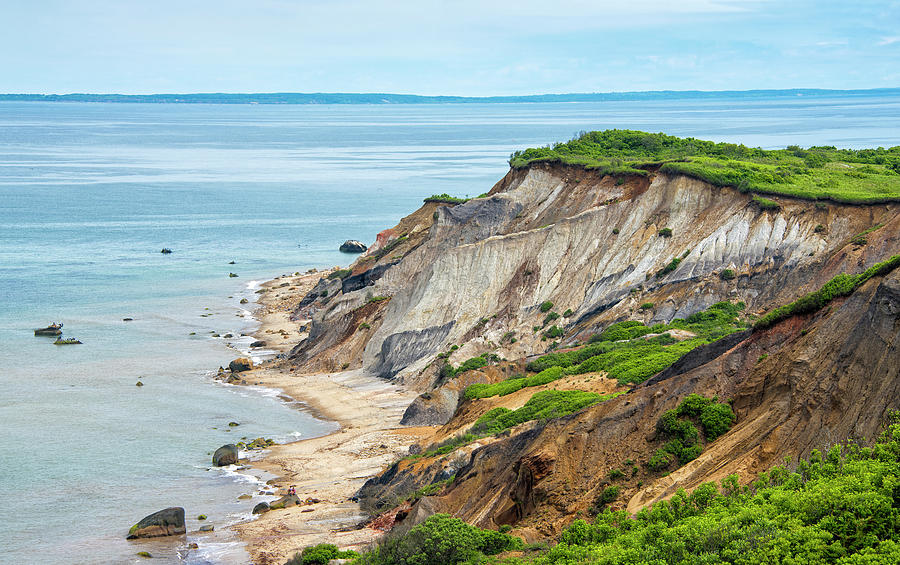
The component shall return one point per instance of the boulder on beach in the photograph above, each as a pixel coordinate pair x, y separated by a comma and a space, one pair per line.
225, 455
261, 508
353, 246
284, 502
258, 343
240, 364
167, 522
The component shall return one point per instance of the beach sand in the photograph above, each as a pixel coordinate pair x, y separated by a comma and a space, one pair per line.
330, 468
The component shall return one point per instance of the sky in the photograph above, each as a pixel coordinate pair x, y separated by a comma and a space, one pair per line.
448, 47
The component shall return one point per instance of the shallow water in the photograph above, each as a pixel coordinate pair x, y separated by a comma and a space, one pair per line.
90, 193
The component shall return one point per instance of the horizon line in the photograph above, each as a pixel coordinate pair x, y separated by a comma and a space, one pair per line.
395, 98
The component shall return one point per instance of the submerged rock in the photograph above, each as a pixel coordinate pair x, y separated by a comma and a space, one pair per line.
225, 455
353, 246
167, 522
206, 528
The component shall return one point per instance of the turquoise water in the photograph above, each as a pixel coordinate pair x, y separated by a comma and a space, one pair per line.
89, 194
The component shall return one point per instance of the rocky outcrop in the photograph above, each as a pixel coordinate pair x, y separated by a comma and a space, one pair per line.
353, 246
261, 508
167, 522
240, 365
225, 455
284, 502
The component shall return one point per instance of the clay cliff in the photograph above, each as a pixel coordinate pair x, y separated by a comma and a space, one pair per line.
454, 281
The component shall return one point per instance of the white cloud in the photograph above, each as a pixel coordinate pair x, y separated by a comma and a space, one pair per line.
889, 40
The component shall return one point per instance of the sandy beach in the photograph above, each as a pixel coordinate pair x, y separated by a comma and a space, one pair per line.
331, 468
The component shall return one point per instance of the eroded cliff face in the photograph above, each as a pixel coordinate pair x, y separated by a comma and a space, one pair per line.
471, 273
454, 281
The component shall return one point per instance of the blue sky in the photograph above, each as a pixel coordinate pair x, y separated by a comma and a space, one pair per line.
459, 47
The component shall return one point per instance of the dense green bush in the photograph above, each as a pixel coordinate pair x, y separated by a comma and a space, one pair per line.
546, 306
666, 232
684, 437
440, 540
552, 316
320, 555
843, 508
727, 274
554, 332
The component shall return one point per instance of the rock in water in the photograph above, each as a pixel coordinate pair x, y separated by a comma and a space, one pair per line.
225, 455
258, 343
168, 522
240, 364
353, 246
261, 508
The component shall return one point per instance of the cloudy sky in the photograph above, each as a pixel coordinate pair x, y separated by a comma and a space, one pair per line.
460, 47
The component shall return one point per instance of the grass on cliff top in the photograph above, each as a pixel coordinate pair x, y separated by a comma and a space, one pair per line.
842, 175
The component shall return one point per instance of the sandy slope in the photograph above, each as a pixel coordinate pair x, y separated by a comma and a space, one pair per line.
330, 468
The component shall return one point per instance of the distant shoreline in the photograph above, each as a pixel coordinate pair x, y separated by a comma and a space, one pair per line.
386, 98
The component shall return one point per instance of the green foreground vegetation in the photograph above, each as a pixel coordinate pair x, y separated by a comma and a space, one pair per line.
842, 507
841, 175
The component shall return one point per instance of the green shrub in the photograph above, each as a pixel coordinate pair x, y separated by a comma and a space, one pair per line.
615, 231
376, 299
546, 306
819, 228
567, 313
716, 419
615, 474
609, 494
445, 198
766, 204
320, 555
673, 264
647, 306
364, 326
440, 540
665, 232
340, 274
552, 316
727, 275
554, 332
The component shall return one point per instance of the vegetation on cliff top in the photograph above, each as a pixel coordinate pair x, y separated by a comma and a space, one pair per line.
842, 175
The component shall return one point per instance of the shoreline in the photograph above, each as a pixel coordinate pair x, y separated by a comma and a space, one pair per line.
329, 468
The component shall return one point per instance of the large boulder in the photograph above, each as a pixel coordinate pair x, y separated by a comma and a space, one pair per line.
168, 522
353, 246
240, 364
225, 455
285, 502
261, 508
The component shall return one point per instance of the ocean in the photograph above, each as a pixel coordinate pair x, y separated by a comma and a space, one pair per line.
91, 192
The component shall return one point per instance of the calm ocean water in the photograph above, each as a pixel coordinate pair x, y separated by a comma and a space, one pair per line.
90, 193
